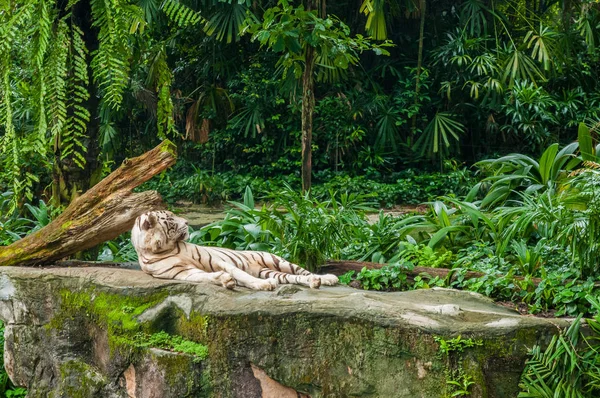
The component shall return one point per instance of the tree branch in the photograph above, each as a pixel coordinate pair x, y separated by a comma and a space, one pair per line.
102, 213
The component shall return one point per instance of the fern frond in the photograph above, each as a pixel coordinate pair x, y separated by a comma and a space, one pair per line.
558, 370
13, 19
41, 41
180, 14
79, 116
110, 63
57, 71
11, 25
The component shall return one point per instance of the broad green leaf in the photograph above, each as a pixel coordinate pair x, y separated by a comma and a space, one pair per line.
547, 161
495, 196
439, 236
585, 143
253, 229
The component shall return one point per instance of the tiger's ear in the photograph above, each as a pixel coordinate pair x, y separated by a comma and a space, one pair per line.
149, 222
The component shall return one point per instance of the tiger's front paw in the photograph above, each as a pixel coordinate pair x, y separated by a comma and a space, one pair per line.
314, 281
226, 280
329, 280
268, 284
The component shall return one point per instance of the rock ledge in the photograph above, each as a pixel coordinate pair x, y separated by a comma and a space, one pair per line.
83, 332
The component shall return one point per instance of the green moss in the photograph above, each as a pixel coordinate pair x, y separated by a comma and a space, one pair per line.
117, 312
168, 146
193, 327
66, 225
166, 341
80, 380
127, 337
113, 312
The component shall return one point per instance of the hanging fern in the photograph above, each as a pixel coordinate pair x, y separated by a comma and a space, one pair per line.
110, 62
12, 21
163, 77
44, 58
79, 116
57, 83
41, 43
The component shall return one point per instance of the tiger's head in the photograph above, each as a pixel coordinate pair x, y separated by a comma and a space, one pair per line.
158, 232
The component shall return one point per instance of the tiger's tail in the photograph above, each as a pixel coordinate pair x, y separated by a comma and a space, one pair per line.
277, 263
310, 280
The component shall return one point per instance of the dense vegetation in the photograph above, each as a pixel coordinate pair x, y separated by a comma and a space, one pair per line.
87, 83
486, 111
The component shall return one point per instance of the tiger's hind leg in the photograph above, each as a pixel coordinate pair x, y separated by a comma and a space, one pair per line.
243, 278
279, 264
220, 278
312, 281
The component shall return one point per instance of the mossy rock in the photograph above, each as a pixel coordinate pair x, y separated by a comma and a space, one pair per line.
118, 331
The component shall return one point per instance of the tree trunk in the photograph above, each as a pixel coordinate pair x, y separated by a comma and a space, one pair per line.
419, 66
102, 213
308, 106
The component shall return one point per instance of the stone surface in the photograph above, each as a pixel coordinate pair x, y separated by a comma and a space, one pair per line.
75, 332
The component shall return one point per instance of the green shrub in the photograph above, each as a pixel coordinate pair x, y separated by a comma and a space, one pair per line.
388, 277
302, 229
425, 256
568, 366
186, 182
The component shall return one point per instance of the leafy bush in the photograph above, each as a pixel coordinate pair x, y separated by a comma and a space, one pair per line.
295, 226
408, 187
120, 250
388, 277
569, 366
14, 226
425, 256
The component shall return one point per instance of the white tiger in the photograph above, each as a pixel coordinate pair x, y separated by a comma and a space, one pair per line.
159, 240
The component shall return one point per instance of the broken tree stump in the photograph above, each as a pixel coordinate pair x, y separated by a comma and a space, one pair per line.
102, 213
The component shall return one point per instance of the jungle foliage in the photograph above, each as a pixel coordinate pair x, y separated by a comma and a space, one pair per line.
388, 91
88, 83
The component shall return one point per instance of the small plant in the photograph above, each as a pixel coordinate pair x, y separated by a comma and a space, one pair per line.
12, 226
120, 250
425, 256
41, 213
18, 392
457, 381
457, 344
347, 277
389, 277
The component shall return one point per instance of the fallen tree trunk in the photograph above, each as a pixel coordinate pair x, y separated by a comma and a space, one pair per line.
102, 213
340, 267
